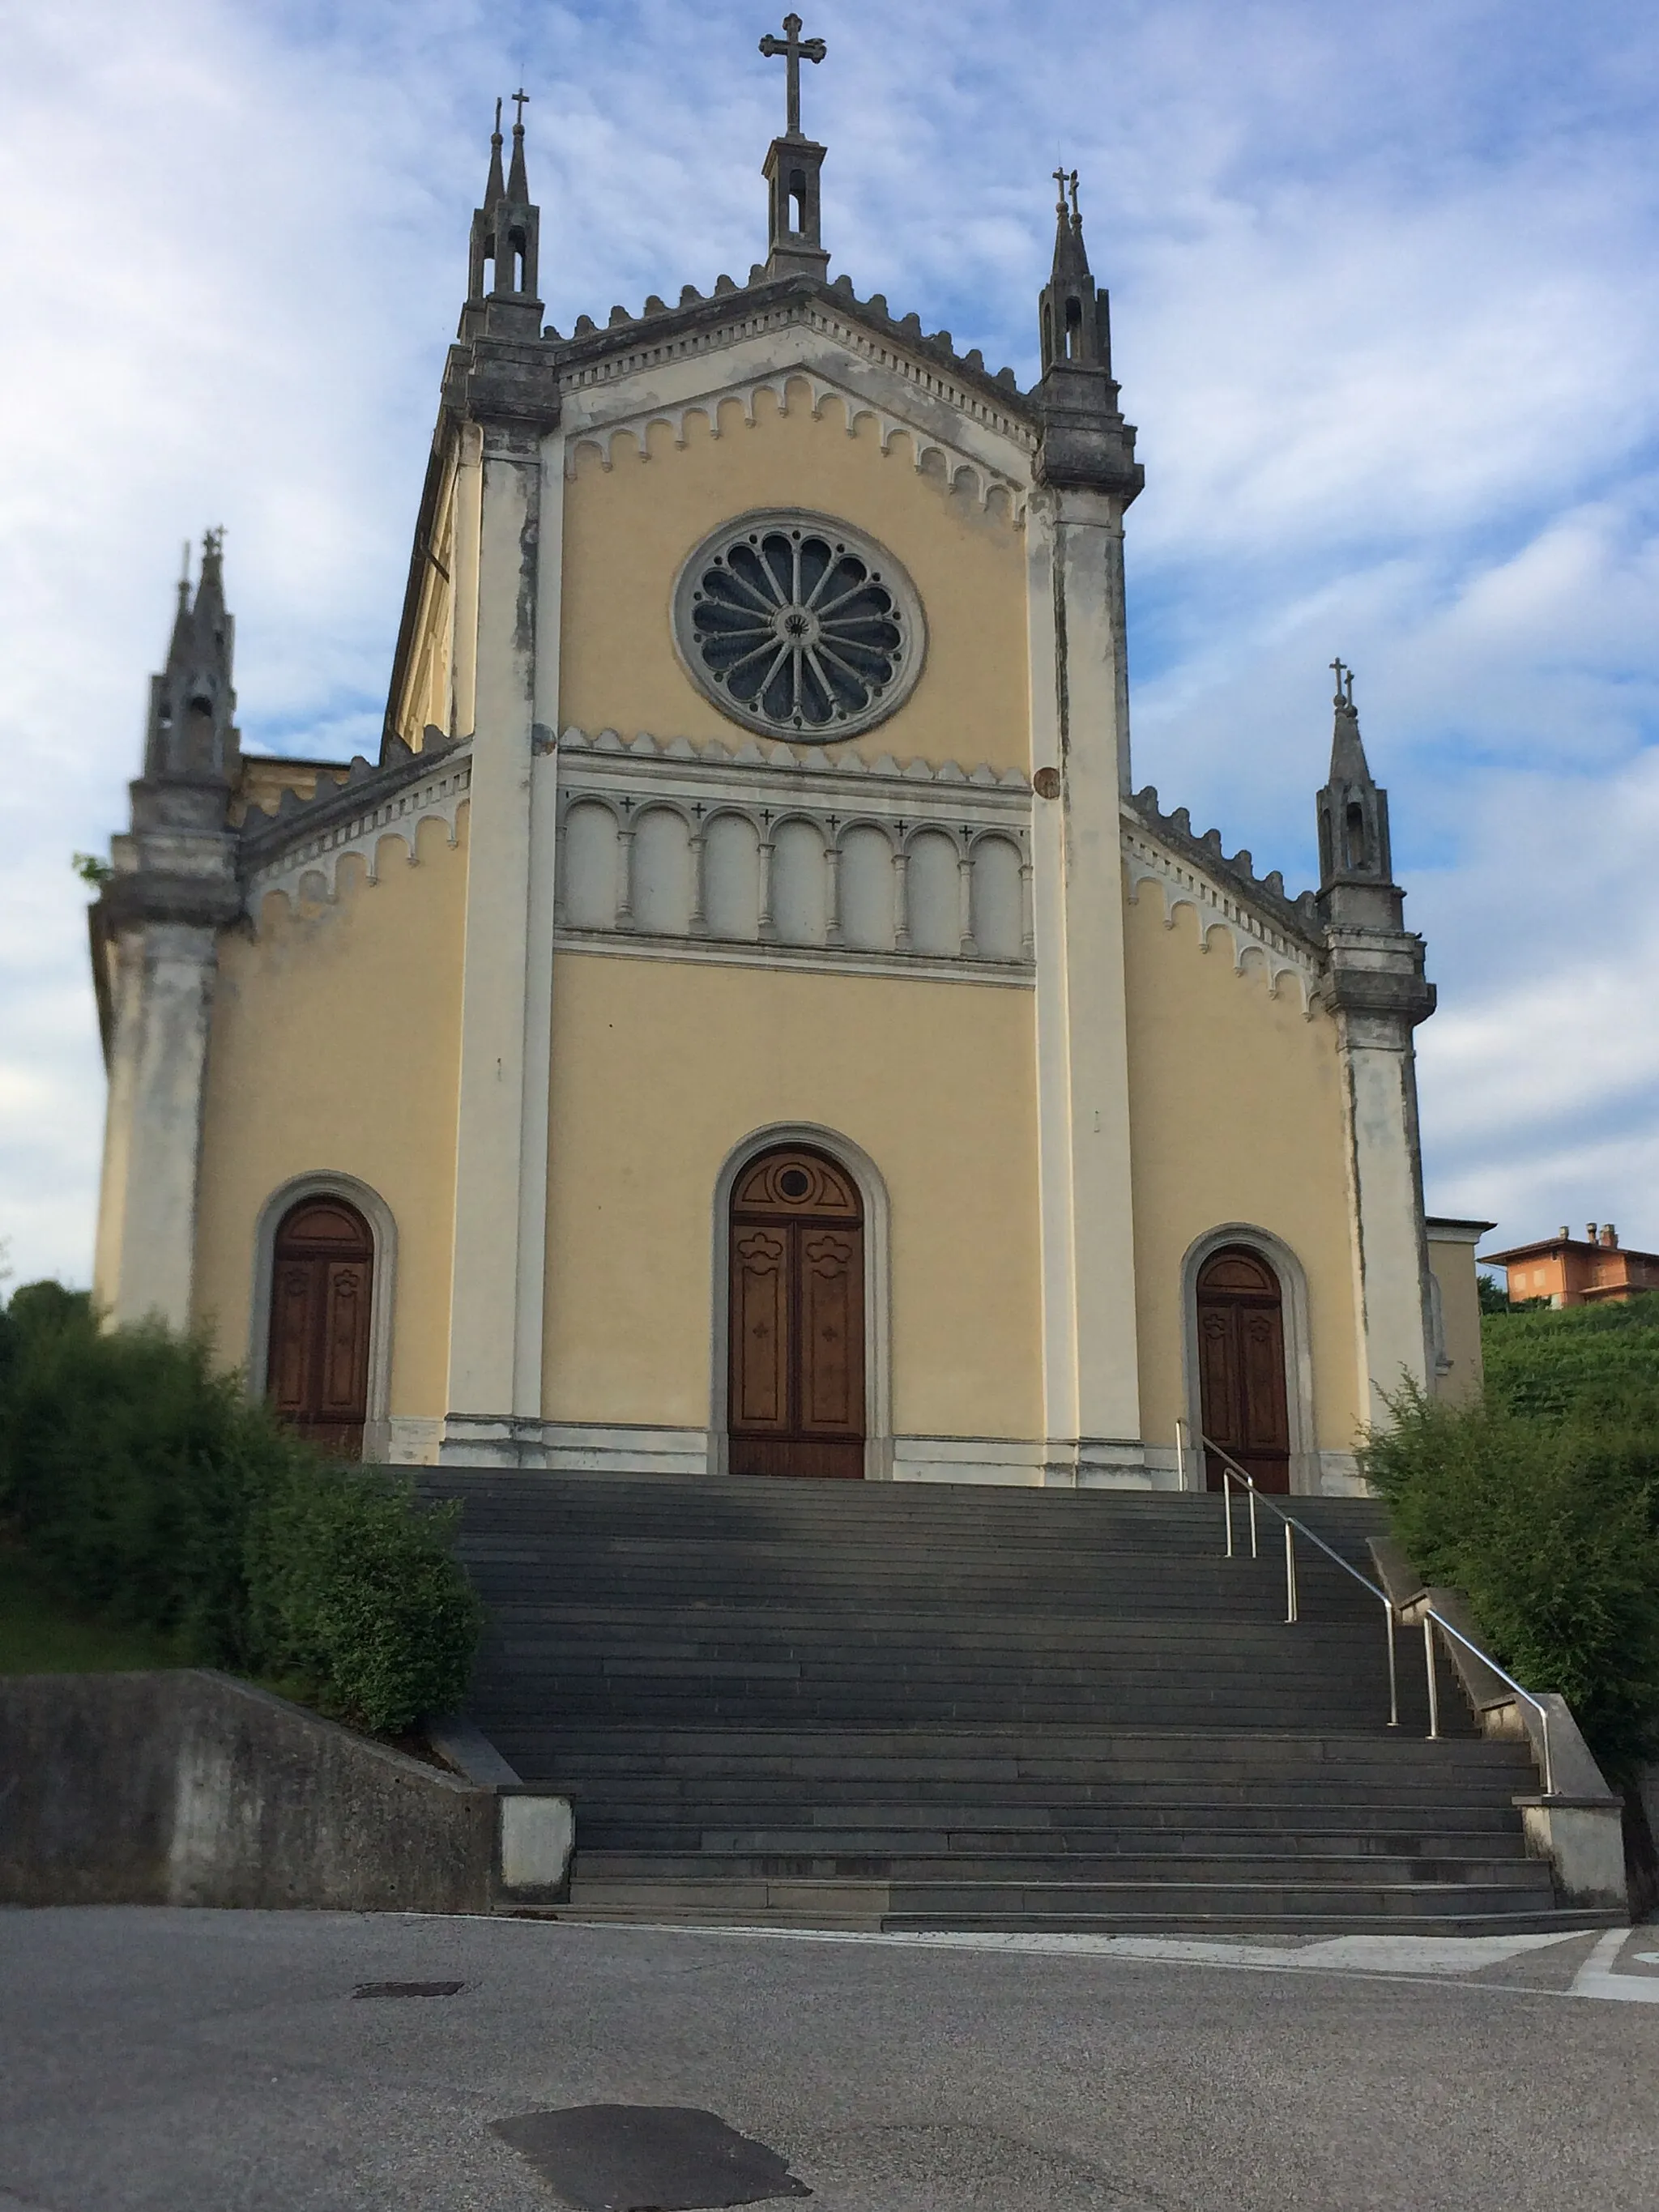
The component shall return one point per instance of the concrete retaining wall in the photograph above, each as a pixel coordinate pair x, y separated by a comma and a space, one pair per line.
189, 1788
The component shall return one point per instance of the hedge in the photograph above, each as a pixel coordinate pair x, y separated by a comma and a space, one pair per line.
150, 1487
1541, 1500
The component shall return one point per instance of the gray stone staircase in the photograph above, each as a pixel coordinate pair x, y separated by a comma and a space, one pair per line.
922, 1706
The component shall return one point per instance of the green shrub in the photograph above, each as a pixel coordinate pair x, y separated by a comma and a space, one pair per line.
1600, 1359
354, 1587
1550, 1521
149, 1488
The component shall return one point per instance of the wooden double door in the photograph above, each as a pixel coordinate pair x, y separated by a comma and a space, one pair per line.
1241, 1364
321, 1298
795, 1401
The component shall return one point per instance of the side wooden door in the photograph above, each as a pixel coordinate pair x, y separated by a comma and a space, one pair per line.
321, 1298
796, 1319
1240, 1352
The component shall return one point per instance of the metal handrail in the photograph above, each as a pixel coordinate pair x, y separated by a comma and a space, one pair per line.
1232, 1472
1439, 1620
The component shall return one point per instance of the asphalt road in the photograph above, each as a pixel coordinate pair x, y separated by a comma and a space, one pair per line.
220, 2061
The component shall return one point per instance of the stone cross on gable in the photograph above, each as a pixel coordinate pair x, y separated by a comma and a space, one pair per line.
1344, 683
793, 47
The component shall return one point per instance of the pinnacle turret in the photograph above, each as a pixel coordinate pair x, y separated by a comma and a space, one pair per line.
794, 244
495, 189
505, 244
191, 736
1073, 317
1353, 811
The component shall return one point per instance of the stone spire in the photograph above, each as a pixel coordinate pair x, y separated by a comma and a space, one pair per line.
794, 244
504, 245
1374, 985
1354, 859
1085, 440
191, 736
1074, 319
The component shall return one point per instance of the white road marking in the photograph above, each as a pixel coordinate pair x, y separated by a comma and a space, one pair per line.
1413, 1956
1595, 1978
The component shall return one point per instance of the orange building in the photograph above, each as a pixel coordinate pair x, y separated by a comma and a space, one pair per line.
1571, 1271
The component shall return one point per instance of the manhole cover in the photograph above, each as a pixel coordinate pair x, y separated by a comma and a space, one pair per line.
648, 2158
408, 1989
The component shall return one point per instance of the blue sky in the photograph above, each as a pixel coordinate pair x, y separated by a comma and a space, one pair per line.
1384, 308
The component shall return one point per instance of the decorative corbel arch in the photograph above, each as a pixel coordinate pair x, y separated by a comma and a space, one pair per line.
1299, 1348
878, 1294
328, 1182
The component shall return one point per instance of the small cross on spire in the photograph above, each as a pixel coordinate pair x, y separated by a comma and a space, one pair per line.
520, 99
1344, 684
794, 47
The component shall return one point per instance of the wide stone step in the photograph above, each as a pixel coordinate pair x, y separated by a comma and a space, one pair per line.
935, 1706
1341, 1828
993, 1841
1363, 1869
959, 1904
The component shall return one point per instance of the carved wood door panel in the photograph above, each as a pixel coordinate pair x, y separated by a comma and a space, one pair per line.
321, 1297
796, 1328
1241, 1356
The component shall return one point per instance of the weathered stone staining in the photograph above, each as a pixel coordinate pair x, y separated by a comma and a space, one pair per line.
530, 990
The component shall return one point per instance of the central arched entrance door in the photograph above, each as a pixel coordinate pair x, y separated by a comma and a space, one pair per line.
1241, 1366
321, 1294
795, 1277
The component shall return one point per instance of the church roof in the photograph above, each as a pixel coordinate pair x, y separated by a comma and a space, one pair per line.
1298, 917
698, 311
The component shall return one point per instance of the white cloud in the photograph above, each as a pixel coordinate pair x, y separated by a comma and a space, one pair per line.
1384, 311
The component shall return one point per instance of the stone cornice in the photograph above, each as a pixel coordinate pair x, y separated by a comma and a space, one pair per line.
311, 837
807, 768
1225, 897
733, 310
1264, 896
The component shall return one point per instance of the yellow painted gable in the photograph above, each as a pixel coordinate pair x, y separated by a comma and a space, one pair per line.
629, 527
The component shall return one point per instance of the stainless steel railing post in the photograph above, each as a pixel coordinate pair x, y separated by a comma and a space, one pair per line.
1227, 1506
1254, 1551
1394, 1679
1290, 1572
1434, 1686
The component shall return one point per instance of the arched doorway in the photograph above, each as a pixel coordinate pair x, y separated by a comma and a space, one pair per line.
1241, 1366
321, 1298
795, 1287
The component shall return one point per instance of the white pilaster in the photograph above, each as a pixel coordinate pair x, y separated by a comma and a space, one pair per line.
1080, 720
538, 964
495, 1362
162, 1005
1385, 1183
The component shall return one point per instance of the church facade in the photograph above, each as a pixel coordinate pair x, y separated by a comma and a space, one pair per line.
746, 1020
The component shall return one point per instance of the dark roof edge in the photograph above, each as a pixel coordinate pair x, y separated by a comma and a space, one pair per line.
697, 312
1298, 917
263, 835
420, 552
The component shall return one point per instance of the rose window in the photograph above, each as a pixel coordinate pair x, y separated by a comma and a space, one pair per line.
796, 625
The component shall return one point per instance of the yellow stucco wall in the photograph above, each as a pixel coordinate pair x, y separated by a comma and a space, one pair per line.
1453, 1266
1236, 1110
334, 1045
424, 698
628, 530
660, 1069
